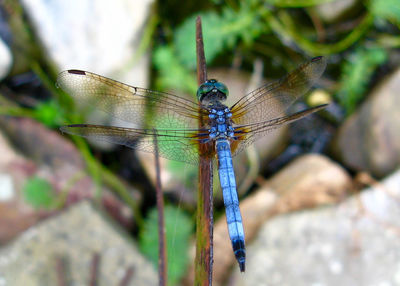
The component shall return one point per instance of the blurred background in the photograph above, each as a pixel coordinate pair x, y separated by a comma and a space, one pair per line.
319, 198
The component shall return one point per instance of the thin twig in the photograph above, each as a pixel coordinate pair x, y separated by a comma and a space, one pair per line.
94, 269
201, 58
60, 271
162, 262
204, 221
127, 277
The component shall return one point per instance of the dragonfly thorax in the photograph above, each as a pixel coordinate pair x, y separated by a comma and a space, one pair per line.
212, 91
220, 122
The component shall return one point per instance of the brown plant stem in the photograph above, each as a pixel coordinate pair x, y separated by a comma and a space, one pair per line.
162, 262
204, 220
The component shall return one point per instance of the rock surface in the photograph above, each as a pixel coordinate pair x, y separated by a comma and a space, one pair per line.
15, 216
370, 139
45, 154
73, 238
354, 243
333, 11
5, 60
100, 36
309, 181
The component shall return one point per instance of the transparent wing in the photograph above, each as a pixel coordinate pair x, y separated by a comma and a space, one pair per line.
129, 103
248, 134
178, 145
272, 100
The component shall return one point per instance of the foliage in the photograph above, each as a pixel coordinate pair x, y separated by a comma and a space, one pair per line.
297, 3
220, 31
49, 113
178, 230
172, 74
356, 74
387, 9
39, 193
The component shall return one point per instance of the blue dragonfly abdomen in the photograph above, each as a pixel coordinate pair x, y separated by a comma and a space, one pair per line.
231, 201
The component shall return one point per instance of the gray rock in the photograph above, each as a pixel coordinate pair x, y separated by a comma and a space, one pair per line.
15, 215
5, 60
74, 237
370, 139
332, 11
49, 156
309, 181
7, 191
354, 243
98, 36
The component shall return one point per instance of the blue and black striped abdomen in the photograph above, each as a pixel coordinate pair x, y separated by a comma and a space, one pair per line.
231, 201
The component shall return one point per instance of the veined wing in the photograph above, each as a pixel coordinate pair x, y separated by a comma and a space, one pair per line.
248, 134
272, 100
178, 145
129, 103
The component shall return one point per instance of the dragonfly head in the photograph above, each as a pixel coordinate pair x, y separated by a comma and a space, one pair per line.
212, 90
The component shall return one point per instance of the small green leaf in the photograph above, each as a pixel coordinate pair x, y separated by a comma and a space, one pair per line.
49, 113
297, 3
387, 9
178, 230
39, 193
220, 31
356, 73
172, 74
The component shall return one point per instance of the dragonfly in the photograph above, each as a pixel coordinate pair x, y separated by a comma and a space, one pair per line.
174, 122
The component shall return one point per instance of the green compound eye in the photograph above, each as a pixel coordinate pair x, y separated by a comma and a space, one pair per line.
210, 85
222, 88
204, 89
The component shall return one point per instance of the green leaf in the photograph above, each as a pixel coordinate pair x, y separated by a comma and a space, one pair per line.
220, 32
356, 73
172, 74
297, 3
49, 113
178, 230
387, 9
39, 193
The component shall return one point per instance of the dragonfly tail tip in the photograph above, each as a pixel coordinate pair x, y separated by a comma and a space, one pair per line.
242, 266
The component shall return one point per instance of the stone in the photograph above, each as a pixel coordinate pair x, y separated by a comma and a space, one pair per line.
6, 59
333, 11
15, 215
72, 239
48, 155
102, 36
353, 243
369, 140
309, 181
7, 191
